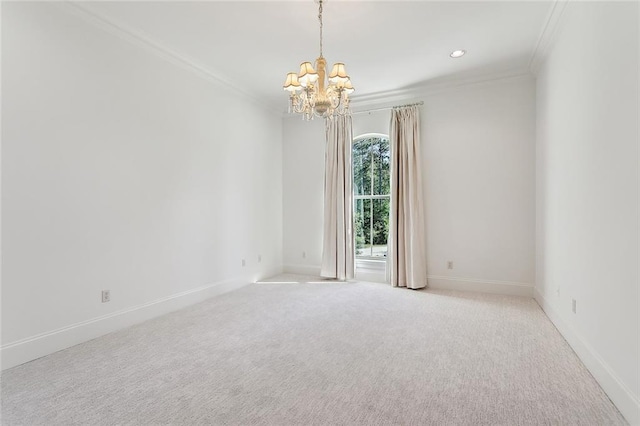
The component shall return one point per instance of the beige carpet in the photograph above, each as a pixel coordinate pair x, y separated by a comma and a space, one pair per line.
319, 353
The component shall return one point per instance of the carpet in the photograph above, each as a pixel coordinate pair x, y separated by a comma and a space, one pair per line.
308, 352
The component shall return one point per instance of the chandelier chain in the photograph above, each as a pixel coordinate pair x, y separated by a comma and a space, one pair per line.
320, 19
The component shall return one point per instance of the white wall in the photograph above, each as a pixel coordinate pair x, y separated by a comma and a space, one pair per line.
121, 171
479, 182
303, 146
587, 192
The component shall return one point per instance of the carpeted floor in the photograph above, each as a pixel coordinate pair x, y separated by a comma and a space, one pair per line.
319, 353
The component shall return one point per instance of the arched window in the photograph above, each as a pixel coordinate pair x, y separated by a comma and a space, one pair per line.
371, 195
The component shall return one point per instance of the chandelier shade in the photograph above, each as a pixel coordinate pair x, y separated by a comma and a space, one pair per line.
314, 94
348, 88
338, 74
292, 84
307, 74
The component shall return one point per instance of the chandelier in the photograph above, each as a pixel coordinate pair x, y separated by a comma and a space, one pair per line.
310, 95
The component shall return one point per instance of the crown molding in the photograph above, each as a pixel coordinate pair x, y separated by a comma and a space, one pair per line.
389, 98
141, 40
407, 95
548, 36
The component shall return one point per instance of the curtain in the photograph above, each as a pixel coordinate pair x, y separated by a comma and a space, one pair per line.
407, 255
338, 258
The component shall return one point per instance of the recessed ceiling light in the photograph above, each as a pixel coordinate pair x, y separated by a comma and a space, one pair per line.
457, 53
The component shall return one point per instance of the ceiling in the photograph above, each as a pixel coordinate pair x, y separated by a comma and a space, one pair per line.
386, 45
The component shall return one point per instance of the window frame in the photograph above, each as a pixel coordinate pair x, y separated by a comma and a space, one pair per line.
371, 196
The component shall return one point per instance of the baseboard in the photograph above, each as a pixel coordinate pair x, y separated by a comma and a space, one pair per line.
362, 274
480, 285
618, 392
436, 282
302, 270
28, 349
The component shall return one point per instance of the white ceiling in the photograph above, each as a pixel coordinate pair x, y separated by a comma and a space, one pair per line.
386, 45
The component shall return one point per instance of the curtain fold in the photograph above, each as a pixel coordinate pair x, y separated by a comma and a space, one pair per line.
407, 265
338, 258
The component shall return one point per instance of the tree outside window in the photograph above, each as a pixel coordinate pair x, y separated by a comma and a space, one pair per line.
371, 187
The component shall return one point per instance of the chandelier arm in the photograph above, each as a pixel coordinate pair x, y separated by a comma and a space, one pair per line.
296, 104
339, 98
305, 102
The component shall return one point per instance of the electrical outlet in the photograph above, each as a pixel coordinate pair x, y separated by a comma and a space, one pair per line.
106, 296
259, 258
304, 254
244, 263
450, 264
573, 305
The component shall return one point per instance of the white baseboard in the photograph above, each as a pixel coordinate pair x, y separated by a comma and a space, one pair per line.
480, 285
361, 274
618, 392
37, 346
436, 282
302, 270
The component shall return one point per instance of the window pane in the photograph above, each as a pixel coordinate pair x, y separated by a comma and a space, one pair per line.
362, 167
380, 227
381, 164
362, 224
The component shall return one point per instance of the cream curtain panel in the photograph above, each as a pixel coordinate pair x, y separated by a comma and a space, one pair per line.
338, 258
407, 255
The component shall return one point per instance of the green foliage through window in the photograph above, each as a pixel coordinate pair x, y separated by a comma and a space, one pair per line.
371, 187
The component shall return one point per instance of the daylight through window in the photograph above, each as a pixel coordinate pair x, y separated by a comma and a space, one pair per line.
371, 190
